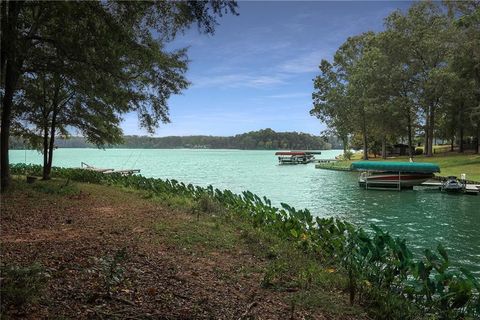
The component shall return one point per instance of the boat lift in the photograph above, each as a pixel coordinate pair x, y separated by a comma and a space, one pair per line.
389, 175
296, 157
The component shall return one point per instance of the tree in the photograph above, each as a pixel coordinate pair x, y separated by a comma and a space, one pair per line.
121, 46
422, 71
341, 98
426, 34
347, 60
330, 103
11, 62
466, 58
50, 106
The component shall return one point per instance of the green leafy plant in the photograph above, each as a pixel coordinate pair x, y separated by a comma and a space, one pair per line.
20, 286
207, 204
347, 155
111, 270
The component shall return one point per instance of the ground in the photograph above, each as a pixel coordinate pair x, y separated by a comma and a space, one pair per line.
111, 253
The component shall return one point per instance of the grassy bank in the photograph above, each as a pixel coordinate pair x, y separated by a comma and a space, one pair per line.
75, 250
451, 164
170, 250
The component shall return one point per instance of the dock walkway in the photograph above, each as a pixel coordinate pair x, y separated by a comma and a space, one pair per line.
124, 172
469, 187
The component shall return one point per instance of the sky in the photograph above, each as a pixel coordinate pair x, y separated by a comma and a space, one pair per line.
257, 70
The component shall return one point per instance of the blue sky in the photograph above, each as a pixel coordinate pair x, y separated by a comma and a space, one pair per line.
256, 71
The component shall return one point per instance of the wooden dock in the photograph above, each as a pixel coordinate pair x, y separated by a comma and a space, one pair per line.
470, 188
123, 172
325, 160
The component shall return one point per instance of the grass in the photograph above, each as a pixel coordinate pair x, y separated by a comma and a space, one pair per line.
21, 286
58, 187
205, 235
341, 165
451, 163
287, 269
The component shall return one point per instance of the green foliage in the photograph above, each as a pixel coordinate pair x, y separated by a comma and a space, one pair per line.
418, 151
73, 64
111, 270
266, 139
347, 155
421, 72
202, 235
291, 269
207, 204
371, 260
55, 187
20, 286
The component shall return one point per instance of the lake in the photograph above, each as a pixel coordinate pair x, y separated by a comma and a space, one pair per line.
424, 217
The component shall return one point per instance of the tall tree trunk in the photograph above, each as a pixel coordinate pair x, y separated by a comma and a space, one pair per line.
452, 141
384, 148
3, 38
7, 102
409, 127
478, 139
365, 138
427, 132
45, 151
460, 145
48, 168
431, 131
9, 63
345, 145
365, 148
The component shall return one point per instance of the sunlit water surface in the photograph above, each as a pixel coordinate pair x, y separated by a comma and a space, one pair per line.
423, 217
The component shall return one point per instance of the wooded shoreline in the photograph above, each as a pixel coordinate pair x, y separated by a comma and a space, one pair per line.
266, 139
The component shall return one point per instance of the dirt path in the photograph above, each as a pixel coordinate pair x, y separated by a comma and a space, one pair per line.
170, 269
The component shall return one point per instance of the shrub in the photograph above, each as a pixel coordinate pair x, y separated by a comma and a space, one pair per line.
207, 204
55, 187
347, 155
20, 286
111, 270
418, 151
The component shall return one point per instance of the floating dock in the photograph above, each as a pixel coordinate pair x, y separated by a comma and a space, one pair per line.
296, 157
473, 189
123, 172
326, 160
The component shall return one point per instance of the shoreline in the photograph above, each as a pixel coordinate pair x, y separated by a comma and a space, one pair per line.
451, 164
327, 241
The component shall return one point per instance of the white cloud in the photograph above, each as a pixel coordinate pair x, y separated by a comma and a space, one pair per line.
289, 95
304, 63
236, 80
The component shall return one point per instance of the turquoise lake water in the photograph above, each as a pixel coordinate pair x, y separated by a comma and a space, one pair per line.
424, 217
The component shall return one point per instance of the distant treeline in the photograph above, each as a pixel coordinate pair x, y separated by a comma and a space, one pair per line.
266, 139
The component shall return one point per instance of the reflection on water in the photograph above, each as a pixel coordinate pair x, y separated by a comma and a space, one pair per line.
425, 217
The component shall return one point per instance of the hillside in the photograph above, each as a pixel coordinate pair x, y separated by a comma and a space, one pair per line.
266, 139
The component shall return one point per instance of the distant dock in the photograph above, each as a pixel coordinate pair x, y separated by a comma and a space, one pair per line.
332, 164
123, 172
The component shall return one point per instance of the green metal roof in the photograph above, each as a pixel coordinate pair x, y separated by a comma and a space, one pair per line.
396, 166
